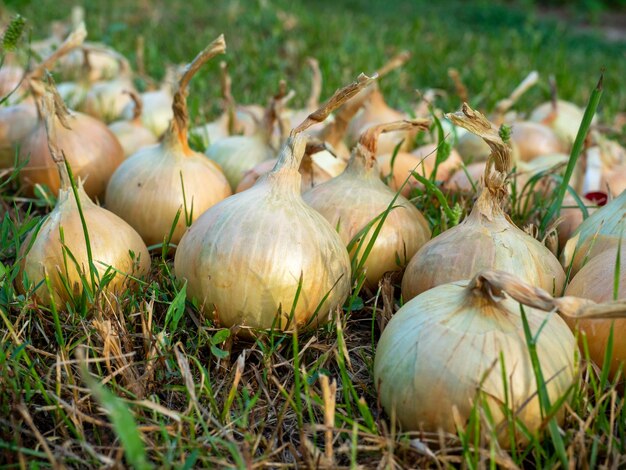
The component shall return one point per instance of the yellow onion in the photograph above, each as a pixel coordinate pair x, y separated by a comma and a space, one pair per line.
534, 139
562, 116
103, 63
486, 239
58, 248
249, 258
462, 345
596, 281
107, 99
237, 154
422, 161
357, 196
132, 134
89, 146
154, 184
296, 116
156, 112
18, 120
376, 111
600, 231
467, 179
571, 217
606, 166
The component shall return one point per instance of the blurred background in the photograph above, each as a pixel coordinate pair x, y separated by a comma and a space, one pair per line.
493, 45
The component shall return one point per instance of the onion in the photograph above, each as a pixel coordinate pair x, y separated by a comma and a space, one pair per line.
115, 248
90, 148
132, 134
596, 281
562, 116
357, 196
449, 349
460, 182
534, 139
296, 116
153, 185
606, 167
106, 100
376, 111
13, 80
486, 239
602, 230
18, 120
156, 112
571, 217
236, 154
247, 259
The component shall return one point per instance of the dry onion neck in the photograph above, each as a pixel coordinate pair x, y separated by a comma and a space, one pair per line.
74, 40
293, 150
228, 102
138, 105
364, 155
177, 132
497, 285
316, 84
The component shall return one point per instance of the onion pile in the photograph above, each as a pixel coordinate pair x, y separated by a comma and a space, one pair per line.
58, 250
249, 258
89, 147
152, 186
486, 239
562, 116
357, 196
604, 229
448, 349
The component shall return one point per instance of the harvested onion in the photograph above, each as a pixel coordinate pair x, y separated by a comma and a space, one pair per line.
562, 116
357, 196
59, 250
153, 185
90, 148
534, 139
596, 281
132, 134
249, 258
602, 230
486, 239
462, 345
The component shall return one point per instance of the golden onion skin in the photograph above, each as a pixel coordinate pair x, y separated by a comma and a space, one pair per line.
90, 148
132, 136
243, 258
152, 186
443, 346
534, 140
482, 241
595, 281
357, 196
16, 122
112, 242
600, 231
565, 121
147, 191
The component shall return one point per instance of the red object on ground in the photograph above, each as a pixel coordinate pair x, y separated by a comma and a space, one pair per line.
597, 197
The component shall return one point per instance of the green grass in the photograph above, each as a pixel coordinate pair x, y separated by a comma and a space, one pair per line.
144, 379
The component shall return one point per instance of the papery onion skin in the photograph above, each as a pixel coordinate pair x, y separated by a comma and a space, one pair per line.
16, 122
600, 231
534, 139
237, 154
156, 113
243, 258
132, 136
595, 281
565, 122
482, 242
147, 190
572, 217
106, 100
443, 346
112, 242
91, 149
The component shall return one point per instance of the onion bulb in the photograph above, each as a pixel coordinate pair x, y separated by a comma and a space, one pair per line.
357, 196
249, 258
132, 134
486, 239
236, 154
596, 281
447, 351
156, 112
153, 185
106, 100
58, 249
376, 111
562, 116
604, 229
90, 148
534, 139
571, 217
